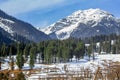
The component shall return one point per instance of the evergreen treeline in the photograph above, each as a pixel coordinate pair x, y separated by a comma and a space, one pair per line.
57, 51
100, 38
107, 44
51, 51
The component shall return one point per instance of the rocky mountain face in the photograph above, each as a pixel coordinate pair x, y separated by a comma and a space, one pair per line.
84, 23
4, 37
14, 29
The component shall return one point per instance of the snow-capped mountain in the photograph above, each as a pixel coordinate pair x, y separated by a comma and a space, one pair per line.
15, 28
84, 23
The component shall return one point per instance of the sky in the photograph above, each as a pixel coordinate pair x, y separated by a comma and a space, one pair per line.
42, 13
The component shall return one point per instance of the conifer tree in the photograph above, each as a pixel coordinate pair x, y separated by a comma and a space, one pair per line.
93, 45
48, 55
32, 57
89, 51
65, 53
10, 52
26, 52
59, 53
41, 51
3, 50
113, 49
80, 50
19, 58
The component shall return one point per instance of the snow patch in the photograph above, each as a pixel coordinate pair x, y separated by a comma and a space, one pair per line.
97, 30
6, 27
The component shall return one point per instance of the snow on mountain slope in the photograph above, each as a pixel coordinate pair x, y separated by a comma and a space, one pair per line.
20, 28
84, 23
5, 27
67, 30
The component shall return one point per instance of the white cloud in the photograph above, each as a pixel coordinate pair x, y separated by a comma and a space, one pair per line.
23, 6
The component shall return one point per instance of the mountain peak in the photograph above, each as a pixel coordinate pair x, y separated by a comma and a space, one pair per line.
92, 11
84, 23
90, 14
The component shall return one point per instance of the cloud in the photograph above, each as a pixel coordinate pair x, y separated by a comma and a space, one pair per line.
22, 6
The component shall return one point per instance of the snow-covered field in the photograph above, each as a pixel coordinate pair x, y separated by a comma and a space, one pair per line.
70, 66
75, 66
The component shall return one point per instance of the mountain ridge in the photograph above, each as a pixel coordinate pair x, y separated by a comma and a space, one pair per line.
84, 23
15, 26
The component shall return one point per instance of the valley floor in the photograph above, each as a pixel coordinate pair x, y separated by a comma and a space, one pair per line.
100, 68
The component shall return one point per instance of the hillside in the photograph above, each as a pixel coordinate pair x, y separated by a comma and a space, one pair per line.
13, 27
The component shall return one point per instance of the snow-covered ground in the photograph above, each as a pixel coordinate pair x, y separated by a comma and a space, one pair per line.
75, 66
70, 66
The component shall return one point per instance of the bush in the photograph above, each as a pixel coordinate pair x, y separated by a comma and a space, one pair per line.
20, 76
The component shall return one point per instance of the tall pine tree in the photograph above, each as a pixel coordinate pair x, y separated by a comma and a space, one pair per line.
32, 57
19, 57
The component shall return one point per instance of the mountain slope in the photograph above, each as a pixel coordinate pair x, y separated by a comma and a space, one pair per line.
4, 37
84, 23
14, 26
